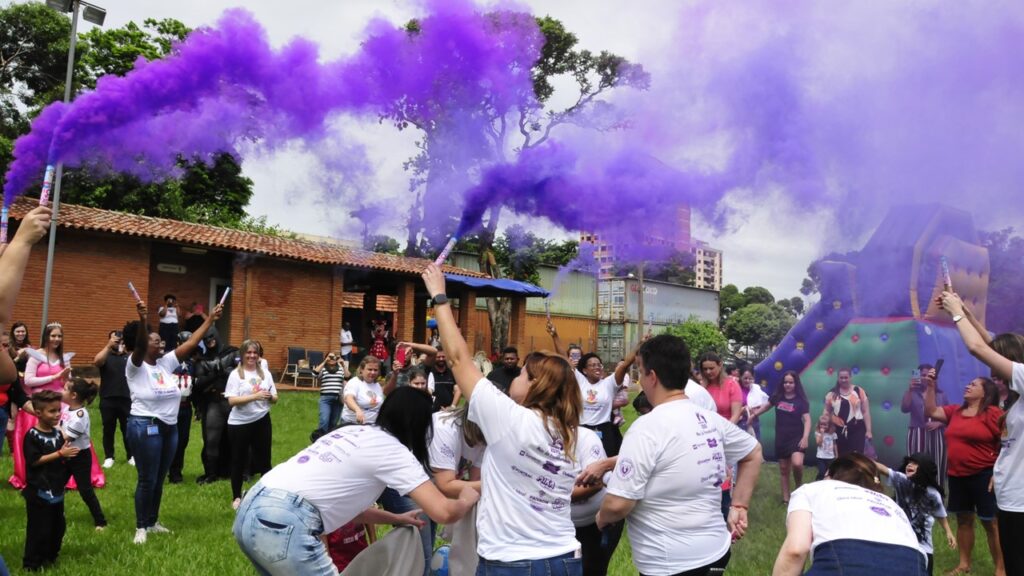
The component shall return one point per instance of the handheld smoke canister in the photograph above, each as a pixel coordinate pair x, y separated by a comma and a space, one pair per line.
224, 297
547, 308
947, 281
44, 196
135, 292
3, 225
447, 250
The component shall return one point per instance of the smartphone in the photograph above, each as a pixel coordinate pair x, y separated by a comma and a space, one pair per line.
400, 355
938, 366
915, 373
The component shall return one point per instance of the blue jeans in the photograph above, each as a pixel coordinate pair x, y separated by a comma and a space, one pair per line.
280, 534
395, 503
564, 565
330, 412
862, 558
153, 455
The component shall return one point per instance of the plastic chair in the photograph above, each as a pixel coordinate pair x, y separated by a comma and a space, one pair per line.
294, 355
313, 359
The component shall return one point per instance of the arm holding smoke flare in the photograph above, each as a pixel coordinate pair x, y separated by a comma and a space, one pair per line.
973, 339
13, 261
465, 370
555, 340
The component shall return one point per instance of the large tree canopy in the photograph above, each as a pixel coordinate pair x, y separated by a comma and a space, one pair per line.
33, 60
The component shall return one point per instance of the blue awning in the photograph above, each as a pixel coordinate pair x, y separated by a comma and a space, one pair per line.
497, 286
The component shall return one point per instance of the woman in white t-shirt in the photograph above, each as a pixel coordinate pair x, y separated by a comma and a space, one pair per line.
363, 394
598, 391
529, 468
849, 526
335, 481
153, 421
1004, 354
250, 392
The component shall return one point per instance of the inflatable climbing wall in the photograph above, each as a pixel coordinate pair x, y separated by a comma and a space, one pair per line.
876, 317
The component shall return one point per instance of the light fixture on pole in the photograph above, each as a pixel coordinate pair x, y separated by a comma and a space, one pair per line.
95, 15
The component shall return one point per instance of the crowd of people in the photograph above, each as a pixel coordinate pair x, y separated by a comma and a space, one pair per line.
524, 462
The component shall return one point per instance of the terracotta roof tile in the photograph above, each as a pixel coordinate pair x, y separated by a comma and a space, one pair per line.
97, 220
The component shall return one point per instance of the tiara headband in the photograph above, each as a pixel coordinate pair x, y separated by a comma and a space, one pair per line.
54, 325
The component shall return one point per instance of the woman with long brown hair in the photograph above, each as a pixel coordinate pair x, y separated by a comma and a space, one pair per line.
529, 467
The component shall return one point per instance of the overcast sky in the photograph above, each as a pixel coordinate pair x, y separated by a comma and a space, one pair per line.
768, 244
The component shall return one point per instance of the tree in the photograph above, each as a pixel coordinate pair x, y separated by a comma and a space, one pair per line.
382, 243
758, 295
33, 60
449, 152
33, 64
700, 336
758, 326
730, 300
1006, 277
676, 268
794, 305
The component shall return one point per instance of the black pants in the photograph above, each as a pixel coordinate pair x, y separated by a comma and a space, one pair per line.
716, 567
611, 439
80, 467
1011, 535
44, 530
169, 334
184, 431
255, 436
216, 446
595, 556
114, 412
851, 438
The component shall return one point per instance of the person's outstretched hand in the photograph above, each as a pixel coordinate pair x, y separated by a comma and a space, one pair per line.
433, 279
34, 225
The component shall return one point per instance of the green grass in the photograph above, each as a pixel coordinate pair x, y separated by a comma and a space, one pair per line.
201, 516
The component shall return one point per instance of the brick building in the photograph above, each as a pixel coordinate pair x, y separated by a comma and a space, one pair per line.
283, 292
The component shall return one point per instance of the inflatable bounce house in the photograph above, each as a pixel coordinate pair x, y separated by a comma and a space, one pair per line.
876, 317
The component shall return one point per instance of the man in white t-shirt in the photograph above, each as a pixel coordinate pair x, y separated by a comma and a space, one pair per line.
346, 342
667, 481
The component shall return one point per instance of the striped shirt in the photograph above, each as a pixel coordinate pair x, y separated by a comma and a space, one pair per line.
332, 383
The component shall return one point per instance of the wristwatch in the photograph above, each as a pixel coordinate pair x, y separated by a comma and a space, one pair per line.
957, 318
439, 300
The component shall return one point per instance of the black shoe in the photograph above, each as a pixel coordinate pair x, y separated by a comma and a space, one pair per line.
175, 479
205, 479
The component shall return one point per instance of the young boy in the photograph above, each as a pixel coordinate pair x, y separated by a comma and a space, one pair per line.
45, 452
77, 394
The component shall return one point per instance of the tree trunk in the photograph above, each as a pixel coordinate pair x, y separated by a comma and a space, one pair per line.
499, 310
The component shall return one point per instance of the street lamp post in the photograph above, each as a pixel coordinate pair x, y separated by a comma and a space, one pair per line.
95, 15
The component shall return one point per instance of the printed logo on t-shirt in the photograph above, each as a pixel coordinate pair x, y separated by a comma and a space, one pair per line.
551, 467
303, 459
373, 398
702, 420
786, 407
712, 443
157, 376
556, 448
626, 469
880, 511
595, 452
447, 451
254, 384
591, 396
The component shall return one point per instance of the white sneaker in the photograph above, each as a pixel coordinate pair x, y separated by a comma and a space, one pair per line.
158, 528
108, 463
236, 503
131, 461
140, 536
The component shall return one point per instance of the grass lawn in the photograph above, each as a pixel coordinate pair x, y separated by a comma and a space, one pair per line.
201, 516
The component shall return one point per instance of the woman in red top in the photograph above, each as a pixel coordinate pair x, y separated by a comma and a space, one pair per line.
724, 389
973, 435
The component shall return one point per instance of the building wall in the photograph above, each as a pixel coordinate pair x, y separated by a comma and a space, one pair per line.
90, 293
290, 304
582, 331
